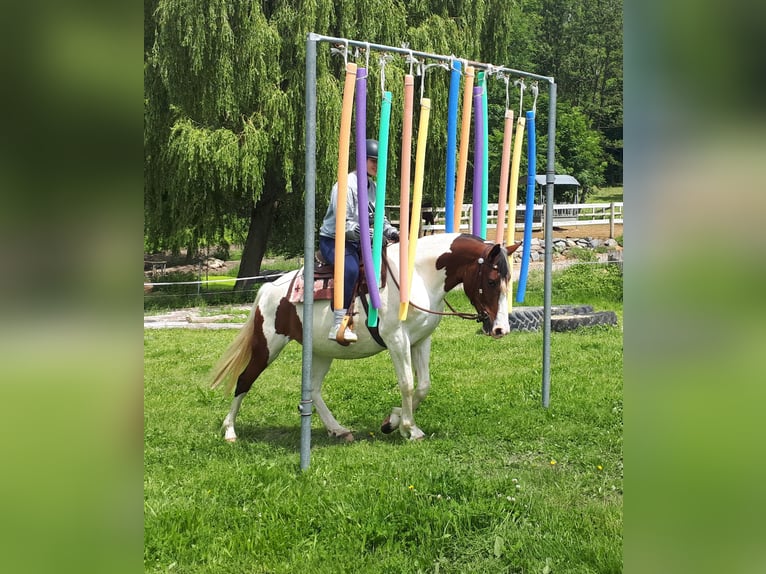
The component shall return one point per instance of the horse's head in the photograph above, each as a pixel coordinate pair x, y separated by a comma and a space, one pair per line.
484, 271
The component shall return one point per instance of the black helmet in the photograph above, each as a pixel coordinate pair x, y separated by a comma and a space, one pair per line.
372, 149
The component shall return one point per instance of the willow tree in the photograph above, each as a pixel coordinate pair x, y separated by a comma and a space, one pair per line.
224, 116
223, 122
224, 105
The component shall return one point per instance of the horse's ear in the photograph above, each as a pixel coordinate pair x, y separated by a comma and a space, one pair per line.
511, 248
494, 252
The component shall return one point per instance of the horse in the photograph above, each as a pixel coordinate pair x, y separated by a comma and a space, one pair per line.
442, 262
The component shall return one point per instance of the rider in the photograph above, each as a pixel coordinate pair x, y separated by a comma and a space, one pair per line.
327, 234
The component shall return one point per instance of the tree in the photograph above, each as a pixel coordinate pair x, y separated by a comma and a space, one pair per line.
581, 46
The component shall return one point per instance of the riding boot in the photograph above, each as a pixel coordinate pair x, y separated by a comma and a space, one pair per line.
348, 335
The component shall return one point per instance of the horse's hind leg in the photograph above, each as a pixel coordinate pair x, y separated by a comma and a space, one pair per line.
228, 422
262, 356
319, 368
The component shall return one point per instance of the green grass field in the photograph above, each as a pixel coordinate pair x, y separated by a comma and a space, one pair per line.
500, 484
605, 195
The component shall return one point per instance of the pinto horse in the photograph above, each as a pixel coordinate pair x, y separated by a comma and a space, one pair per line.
443, 262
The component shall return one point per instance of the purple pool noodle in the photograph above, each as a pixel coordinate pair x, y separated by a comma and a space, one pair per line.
478, 162
361, 175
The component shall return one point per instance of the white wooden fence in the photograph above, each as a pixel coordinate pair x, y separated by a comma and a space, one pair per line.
564, 214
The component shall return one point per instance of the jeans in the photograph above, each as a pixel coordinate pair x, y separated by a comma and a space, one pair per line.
351, 267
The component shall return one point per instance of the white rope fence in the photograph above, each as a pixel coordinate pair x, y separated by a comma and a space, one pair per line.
235, 279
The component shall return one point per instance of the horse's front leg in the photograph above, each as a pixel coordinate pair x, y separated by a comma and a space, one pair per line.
319, 368
421, 356
419, 359
403, 416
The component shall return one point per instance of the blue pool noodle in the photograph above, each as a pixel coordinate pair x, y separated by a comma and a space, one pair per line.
454, 89
532, 163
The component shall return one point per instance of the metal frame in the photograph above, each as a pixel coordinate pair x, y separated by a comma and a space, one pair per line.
306, 404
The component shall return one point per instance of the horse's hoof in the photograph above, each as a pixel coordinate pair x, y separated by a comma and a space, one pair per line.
346, 436
231, 439
386, 427
417, 435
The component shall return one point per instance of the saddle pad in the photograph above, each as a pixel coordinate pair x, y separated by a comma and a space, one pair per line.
323, 284
322, 288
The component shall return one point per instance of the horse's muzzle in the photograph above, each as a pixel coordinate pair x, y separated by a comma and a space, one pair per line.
493, 330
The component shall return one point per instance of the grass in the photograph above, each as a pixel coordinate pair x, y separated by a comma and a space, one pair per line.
605, 195
499, 484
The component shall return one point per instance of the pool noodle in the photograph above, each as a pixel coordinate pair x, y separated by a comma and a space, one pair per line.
341, 203
476, 216
362, 193
380, 195
485, 158
417, 190
454, 96
531, 151
465, 132
404, 196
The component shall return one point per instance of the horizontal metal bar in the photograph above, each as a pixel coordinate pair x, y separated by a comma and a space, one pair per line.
407, 51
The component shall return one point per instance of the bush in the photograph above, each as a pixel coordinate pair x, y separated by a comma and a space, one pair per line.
582, 254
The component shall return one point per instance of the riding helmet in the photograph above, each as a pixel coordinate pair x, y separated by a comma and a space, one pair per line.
372, 149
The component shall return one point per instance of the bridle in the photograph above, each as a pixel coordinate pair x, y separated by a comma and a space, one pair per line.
480, 316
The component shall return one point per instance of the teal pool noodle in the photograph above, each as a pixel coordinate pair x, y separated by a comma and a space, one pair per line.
525, 255
380, 195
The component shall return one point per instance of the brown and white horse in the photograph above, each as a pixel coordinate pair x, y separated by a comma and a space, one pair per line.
443, 262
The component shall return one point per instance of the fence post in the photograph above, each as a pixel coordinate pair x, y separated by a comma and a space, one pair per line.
611, 220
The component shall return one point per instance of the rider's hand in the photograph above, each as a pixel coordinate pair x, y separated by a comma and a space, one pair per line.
392, 234
352, 231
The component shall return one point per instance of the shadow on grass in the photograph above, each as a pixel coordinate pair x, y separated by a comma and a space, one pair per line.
289, 438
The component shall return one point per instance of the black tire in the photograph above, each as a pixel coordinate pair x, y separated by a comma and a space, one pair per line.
525, 319
571, 322
531, 318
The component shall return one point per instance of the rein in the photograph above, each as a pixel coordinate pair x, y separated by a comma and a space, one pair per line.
478, 317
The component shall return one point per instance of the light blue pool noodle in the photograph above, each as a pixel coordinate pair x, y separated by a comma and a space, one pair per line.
532, 163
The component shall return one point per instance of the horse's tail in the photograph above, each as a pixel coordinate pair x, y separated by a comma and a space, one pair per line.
237, 355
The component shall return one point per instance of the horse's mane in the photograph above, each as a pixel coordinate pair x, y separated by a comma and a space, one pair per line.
502, 265
502, 262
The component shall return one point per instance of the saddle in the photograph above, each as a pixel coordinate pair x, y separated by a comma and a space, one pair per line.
324, 284
324, 288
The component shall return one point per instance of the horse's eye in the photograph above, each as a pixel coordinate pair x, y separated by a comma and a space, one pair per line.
492, 283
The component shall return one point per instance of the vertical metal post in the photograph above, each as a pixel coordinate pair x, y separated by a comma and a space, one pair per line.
550, 178
306, 406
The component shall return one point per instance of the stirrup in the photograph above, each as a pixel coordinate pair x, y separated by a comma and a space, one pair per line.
342, 333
